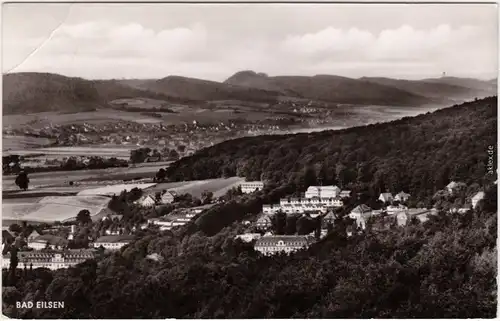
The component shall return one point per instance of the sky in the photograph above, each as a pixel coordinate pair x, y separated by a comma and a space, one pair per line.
213, 41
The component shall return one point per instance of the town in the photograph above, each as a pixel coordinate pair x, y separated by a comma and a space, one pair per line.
293, 224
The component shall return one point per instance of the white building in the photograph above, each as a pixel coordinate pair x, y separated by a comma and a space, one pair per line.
303, 205
146, 201
264, 222
47, 241
451, 186
322, 192
386, 197
113, 242
269, 245
248, 237
167, 197
402, 197
361, 213
476, 198
51, 260
250, 187
345, 194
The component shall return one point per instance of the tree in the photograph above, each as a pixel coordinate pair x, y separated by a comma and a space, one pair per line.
278, 222
15, 228
160, 175
83, 217
22, 181
13, 265
206, 197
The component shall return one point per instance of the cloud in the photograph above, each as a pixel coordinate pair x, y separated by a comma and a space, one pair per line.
99, 49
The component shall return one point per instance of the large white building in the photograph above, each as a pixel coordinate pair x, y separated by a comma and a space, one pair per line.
51, 259
274, 244
250, 187
302, 205
323, 192
113, 242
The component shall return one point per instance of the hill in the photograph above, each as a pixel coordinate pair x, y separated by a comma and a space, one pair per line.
202, 90
41, 92
477, 84
432, 88
330, 88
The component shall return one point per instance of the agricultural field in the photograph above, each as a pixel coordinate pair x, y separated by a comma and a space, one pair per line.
53, 208
23, 142
40, 120
60, 152
217, 186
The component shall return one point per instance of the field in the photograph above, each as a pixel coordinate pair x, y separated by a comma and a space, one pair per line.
59, 152
35, 206
60, 180
23, 142
217, 186
53, 208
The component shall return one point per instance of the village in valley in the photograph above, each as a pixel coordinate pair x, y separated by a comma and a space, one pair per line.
293, 224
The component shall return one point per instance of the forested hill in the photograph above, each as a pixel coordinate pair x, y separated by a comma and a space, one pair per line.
419, 155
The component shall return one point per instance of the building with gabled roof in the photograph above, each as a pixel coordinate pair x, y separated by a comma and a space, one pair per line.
476, 198
386, 197
47, 241
402, 197
147, 201
452, 186
361, 213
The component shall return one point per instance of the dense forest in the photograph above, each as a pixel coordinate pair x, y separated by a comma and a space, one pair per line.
443, 268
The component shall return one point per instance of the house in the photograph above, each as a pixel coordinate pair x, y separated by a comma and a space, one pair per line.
113, 242
248, 237
322, 192
451, 186
264, 222
361, 213
385, 197
112, 217
33, 235
146, 201
345, 194
47, 241
476, 198
402, 197
402, 218
329, 218
52, 260
273, 244
167, 197
250, 187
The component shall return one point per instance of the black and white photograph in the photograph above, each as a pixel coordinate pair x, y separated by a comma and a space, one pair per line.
239, 160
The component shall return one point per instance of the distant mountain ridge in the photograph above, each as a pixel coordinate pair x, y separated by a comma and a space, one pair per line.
31, 92
42, 92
